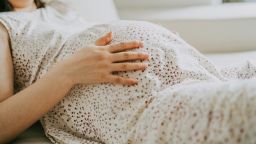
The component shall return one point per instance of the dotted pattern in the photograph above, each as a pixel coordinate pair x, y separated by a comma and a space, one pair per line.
181, 98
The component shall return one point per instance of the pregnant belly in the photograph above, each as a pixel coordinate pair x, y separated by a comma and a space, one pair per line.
106, 112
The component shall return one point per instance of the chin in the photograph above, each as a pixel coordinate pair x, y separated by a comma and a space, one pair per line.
21, 3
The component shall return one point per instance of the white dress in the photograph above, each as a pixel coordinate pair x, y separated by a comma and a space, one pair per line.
181, 97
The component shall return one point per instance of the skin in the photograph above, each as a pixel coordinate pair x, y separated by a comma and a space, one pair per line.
23, 5
92, 65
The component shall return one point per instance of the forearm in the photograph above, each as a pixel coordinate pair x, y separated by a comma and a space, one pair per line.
23, 109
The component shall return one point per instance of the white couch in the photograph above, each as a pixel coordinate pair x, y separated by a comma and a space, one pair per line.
220, 29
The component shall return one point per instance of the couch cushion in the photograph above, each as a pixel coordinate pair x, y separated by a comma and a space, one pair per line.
95, 10
222, 28
99, 11
33, 135
140, 4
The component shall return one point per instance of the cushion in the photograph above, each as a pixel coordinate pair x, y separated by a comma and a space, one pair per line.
223, 28
94, 10
128, 4
33, 135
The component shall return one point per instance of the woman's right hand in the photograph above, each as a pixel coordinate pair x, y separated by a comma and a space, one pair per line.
96, 64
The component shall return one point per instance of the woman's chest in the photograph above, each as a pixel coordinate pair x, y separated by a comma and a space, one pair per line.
35, 45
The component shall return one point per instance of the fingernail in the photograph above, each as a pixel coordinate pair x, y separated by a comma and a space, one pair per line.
145, 66
135, 83
147, 56
141, 44
109, 34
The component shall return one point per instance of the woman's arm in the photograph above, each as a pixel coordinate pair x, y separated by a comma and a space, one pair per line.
20, 111
94, 64
6, 68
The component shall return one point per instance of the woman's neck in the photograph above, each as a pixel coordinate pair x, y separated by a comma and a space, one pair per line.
29, 8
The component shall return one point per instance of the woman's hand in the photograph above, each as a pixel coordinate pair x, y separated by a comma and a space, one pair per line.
96, 64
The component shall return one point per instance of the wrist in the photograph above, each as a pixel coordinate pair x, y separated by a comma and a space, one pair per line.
60, 73
66, 79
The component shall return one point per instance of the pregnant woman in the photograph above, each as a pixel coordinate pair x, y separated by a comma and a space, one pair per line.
124, 82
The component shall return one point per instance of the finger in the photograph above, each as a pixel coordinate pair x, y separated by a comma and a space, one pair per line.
118, 67
104, 40
122, 80
126, 56
123, 46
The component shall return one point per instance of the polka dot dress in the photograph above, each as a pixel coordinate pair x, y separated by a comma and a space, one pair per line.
181, 97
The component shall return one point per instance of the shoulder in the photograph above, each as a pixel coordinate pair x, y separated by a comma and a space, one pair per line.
4, 38
12, 23
3, 32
